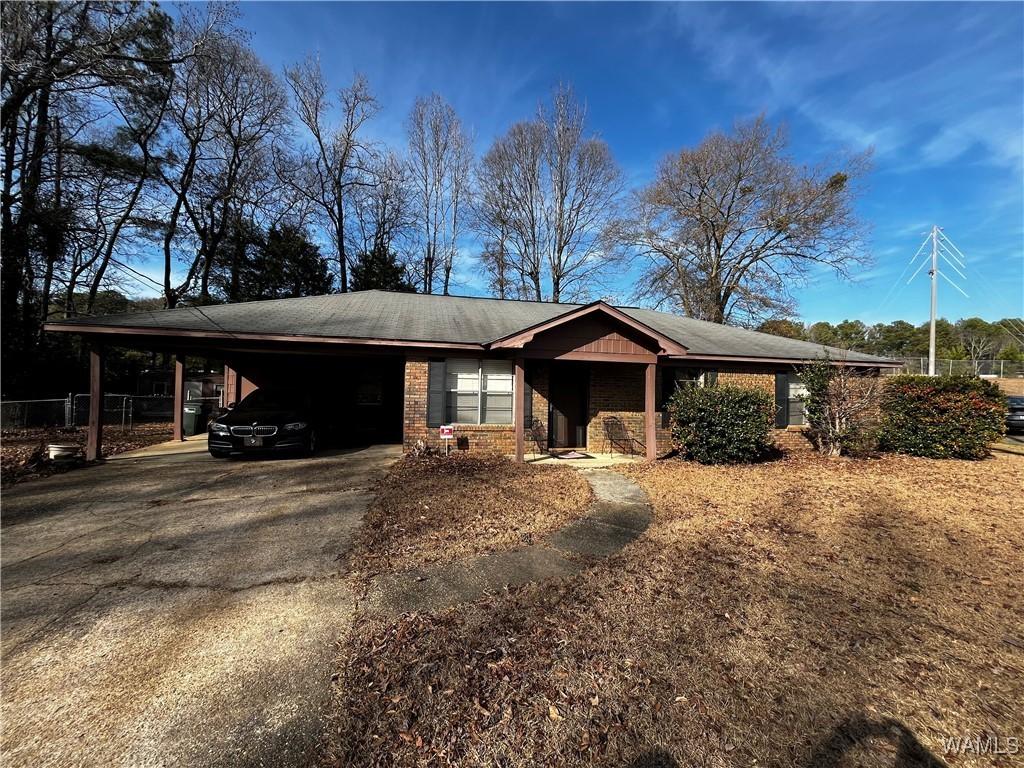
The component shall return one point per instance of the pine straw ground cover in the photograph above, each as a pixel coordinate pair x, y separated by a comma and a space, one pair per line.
23, 452
807, 612
436, 509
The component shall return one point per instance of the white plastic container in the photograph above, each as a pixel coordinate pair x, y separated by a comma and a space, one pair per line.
63, 451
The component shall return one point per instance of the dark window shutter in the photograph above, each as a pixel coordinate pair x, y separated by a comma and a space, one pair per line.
668, 386
435, 393
710, 378
781, 400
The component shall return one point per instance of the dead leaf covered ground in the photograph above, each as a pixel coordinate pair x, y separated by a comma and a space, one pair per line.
435, 509
23, 452
804, 612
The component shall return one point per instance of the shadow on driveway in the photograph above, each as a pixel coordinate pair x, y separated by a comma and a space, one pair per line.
169, 608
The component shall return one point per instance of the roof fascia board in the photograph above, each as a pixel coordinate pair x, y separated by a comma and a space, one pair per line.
787, 360
85, 329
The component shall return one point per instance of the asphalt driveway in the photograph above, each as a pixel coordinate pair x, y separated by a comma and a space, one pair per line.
173, 609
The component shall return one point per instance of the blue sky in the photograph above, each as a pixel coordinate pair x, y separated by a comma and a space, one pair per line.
936, 88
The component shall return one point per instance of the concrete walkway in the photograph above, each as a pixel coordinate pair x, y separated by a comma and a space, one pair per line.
167, 608
619, 514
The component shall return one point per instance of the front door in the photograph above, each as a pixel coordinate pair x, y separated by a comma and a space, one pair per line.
568, 405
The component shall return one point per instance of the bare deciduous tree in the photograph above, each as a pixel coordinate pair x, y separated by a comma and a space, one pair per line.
338, 160
730, 227
383, 208
550, 191
977, 338
841, 405
440, 160
495, 262
511, 201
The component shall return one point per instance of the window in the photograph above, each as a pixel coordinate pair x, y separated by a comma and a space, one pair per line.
797, 406
369, 389
463, 391
496, 384
475, 392
674, 378
789, 404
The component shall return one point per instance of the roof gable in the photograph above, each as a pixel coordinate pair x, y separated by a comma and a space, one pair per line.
589, 328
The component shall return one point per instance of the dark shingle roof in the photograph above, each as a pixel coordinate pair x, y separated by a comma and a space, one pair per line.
418, 317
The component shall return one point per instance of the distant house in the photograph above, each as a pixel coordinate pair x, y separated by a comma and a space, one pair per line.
510, 376
199, 385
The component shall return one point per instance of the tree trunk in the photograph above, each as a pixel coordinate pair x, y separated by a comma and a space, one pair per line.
339, 234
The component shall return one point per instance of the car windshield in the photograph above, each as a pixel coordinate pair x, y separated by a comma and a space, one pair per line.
1015, 402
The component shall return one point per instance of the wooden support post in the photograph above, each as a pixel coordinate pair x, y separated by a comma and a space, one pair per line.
179, 397
650, 425
519, 408
94, 438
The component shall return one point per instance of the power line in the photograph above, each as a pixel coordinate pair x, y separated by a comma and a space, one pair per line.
934, 273
897, 286
136, 273
1011, 325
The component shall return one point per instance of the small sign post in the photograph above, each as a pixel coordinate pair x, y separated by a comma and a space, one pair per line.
446, 432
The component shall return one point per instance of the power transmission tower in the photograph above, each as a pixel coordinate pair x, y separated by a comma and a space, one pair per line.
942, 248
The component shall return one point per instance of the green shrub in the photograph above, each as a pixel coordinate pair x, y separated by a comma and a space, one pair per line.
941, 417
721, 425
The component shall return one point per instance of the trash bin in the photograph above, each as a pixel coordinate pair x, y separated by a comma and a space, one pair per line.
193, 421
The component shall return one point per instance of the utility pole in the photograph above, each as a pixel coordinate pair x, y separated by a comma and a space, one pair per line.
942, 248
933, 273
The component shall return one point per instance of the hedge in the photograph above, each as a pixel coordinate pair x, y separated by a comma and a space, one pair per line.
941, 417
721, 424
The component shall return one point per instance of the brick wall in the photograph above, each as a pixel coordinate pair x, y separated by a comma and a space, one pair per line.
617, 411
487, 438
792, 440
616, 393
538, 373
748, 378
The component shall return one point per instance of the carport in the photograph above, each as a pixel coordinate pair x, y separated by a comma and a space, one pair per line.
361, 384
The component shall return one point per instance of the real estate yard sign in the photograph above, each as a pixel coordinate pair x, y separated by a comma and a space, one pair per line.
446, 433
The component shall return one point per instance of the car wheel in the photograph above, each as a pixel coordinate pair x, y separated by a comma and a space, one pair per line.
220, 454
311, 444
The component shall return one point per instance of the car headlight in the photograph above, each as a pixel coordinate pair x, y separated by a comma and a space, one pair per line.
219, 429
295, 426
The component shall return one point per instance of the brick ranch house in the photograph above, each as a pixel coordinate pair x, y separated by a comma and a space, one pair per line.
516, 377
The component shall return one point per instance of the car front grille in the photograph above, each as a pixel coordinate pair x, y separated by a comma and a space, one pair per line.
269, 431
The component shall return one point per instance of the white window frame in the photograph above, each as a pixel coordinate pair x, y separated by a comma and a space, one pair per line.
480, 395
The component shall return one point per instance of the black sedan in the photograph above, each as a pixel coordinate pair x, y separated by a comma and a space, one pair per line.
1015, 414
264, 422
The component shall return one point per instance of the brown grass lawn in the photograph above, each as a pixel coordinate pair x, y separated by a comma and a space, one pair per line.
434, 509
23, 451
804, 612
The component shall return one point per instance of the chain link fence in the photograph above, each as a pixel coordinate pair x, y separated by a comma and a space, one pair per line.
26, 414
119, 411
1003, 369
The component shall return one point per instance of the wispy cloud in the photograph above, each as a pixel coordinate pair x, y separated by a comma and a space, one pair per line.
859, 73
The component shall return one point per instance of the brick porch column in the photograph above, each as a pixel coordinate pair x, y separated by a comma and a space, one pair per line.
179, 397
94, 438
519, 408
650, 425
